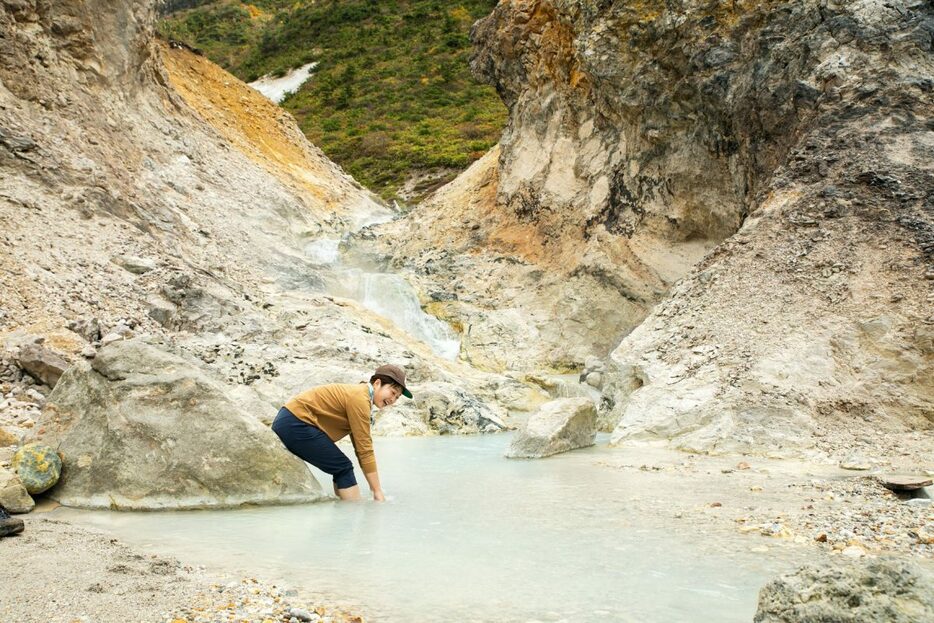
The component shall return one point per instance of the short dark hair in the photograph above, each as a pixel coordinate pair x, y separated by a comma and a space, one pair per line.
384, 380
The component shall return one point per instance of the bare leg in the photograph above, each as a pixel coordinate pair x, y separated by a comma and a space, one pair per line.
350, 493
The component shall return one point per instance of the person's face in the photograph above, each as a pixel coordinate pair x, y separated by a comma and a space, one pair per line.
385, 395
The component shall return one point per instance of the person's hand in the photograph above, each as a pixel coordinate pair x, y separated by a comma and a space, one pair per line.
378, 495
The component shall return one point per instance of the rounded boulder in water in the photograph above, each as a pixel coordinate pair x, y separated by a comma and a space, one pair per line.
38, 467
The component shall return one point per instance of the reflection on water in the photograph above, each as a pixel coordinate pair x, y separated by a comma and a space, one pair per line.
470, 536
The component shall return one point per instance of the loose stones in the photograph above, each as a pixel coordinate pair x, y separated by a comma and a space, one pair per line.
13, 495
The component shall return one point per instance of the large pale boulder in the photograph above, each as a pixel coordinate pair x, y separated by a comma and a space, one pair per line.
143, 428
13, 495
896, 591
559, 426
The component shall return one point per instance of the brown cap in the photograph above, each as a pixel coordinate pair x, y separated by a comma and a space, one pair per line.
397, 374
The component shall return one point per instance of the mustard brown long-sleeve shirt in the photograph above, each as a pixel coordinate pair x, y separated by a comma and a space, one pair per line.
339, 410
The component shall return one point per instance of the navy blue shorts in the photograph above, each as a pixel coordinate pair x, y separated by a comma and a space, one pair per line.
312, 444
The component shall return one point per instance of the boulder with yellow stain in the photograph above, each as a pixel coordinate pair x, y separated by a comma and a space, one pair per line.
38, 467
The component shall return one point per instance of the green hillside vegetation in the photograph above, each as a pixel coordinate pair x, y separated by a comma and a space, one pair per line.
392, 94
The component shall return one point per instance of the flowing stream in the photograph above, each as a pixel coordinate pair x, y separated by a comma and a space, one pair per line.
386, 294
393, 298
470, 536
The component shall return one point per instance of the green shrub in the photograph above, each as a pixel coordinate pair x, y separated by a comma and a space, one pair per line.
392, 93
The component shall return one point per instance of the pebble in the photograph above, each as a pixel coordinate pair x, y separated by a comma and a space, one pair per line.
303, 615
111, 338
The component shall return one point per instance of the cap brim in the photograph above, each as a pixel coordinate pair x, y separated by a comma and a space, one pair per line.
406, 393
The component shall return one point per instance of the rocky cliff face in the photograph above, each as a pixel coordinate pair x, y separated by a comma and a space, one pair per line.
95, 140
146, 191
811, 328
640, 137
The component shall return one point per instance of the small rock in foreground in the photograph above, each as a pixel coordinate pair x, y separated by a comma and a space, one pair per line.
13, 495
885, 589
905, 482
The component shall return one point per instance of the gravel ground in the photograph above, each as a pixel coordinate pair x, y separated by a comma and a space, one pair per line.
780, 503
56, 572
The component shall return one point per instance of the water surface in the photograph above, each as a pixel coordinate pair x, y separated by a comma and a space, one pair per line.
470, 536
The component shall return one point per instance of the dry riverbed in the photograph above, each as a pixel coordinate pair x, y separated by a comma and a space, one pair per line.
56, 572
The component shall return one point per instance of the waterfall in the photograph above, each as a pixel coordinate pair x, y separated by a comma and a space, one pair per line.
392, 297
386, 294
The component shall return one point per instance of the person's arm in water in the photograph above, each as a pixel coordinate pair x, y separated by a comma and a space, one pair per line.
372, 479
359, 419
384, 395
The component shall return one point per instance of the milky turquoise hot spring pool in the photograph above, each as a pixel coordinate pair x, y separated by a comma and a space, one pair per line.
470, 536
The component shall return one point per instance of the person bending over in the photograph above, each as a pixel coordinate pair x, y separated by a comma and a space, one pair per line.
310, 423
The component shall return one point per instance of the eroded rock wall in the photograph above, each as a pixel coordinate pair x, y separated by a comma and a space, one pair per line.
764, 168
639, 137
619, 121
809, 331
